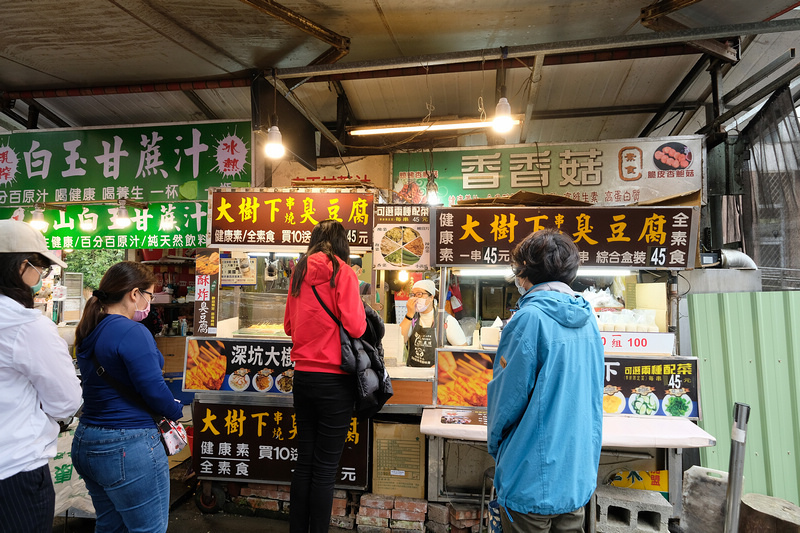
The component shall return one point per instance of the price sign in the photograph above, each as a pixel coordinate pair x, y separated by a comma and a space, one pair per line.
637, 343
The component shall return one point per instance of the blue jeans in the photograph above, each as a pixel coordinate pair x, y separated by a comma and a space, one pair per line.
127, 474
323, 405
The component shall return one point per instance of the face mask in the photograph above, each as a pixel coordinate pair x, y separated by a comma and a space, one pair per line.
138, 315
520, 288
422, 305
36, 288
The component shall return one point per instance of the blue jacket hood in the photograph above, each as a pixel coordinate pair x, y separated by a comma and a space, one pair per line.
575, 314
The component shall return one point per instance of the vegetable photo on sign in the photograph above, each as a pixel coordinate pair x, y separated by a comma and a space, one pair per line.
643, 401
677, 403
402, 246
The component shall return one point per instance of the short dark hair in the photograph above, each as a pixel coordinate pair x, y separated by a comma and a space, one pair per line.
546, 255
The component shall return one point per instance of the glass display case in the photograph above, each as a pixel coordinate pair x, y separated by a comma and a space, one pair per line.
260, 314
251, 313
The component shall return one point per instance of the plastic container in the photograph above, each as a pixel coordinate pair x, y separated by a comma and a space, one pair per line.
190, 438
152, 255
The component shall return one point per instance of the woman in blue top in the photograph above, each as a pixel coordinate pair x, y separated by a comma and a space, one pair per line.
545, 411
117, 448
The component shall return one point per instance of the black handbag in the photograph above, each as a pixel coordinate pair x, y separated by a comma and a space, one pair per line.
365, 360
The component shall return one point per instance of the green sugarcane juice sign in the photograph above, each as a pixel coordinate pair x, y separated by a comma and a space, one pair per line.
92, 227
79, 176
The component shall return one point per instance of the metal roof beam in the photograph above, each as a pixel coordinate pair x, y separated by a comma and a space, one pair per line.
535, 79
713, 47
661, 8
322, 128
601, 43
300, 22
758, 77
7, 110
47, 113
679, 91
751, 101
201, 105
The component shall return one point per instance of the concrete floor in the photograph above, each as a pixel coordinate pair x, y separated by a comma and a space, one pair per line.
185, 517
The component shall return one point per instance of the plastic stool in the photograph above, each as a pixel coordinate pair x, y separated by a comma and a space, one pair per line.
487, 474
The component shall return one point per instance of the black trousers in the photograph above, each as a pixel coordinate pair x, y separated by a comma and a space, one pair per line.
27, 502
323, 406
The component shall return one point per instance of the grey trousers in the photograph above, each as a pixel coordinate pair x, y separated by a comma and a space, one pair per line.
542, 523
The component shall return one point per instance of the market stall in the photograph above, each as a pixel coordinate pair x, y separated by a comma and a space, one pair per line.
651, 395
238, 362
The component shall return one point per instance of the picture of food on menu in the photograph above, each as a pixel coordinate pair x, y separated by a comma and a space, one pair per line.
643, 401
205, 365
239, 380
402, 246
463, 378
672, 156
613, 400
677, 403
207, 264
263, 380
285, 382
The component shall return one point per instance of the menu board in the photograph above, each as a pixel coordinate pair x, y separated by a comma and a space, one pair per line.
258, 443
646, 237
239, 365
633, 385
237, 271
255, 217
206, 292
651, 386
402, 237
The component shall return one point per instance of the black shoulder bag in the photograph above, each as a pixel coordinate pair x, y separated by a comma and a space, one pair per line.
359, 357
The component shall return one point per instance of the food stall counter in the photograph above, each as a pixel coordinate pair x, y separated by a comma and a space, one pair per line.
413, 389
619, 431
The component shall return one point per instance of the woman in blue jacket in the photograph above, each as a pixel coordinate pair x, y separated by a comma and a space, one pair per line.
117, 448
545, 406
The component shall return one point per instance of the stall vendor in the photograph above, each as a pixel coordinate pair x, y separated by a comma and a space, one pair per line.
419, 326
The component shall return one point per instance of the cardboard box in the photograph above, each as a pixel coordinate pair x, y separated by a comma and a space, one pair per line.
398, 460
174, 351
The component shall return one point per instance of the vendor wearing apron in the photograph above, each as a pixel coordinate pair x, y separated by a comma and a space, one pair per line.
419, 326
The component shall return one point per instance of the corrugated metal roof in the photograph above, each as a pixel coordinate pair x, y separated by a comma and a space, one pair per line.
95, 43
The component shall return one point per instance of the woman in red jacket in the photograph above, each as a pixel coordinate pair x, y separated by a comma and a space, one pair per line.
324, 395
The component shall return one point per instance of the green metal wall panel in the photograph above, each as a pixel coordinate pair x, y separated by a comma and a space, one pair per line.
748, 347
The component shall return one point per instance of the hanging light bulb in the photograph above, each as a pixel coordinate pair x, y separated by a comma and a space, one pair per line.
502, 122
274, 148
37, 219
402, 276
123, 217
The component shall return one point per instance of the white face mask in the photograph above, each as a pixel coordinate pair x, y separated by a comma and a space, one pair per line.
520, 288
422, 305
